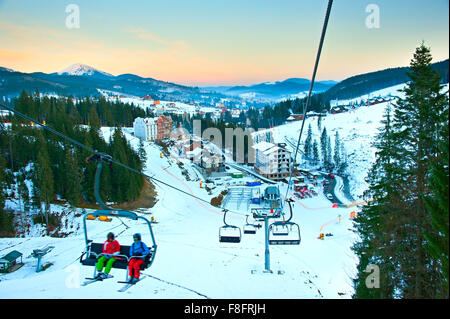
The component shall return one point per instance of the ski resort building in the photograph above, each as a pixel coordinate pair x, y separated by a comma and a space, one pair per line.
213, 163
145, 129
164, 127
272, 160
295, 117
9, 262
153, 129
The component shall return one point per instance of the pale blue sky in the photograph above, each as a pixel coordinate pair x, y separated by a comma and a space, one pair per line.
219, 42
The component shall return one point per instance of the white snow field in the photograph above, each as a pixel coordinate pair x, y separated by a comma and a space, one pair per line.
190, 262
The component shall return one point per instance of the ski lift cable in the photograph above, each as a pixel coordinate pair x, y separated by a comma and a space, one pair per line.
305, 108
109, 158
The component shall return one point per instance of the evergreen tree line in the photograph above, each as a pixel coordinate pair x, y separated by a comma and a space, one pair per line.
58, 168
277, 115
6, 218
404, 227
63, 111
322, 152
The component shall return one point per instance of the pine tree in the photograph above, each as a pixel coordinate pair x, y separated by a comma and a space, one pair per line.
142, 153
319, 123
323, 144
393, 224
437, 204
315, 151
418, 119
337, 151
342, 169
44, 176
94, 120
308, 142
328, 162
72, 177
6, 226
371, 249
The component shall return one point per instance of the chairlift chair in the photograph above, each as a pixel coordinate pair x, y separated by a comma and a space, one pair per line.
94, 250
229, 233
249, 228
285, 232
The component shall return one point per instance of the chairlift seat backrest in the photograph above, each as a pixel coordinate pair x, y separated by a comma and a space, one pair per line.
280, 230
292, 237
229, 234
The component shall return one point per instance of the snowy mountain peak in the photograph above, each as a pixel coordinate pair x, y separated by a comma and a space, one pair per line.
80, 69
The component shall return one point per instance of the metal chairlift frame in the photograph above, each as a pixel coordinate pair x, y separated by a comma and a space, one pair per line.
228, 239
90, 256
39, 253
260, 214
249, 228
289, 226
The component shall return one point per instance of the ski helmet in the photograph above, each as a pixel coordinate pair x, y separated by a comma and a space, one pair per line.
137, 235
110, 234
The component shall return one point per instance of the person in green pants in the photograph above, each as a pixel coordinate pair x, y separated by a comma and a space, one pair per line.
111, 248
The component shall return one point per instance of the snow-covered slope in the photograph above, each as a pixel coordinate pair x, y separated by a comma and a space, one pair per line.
357, 130
392, 92
190, 261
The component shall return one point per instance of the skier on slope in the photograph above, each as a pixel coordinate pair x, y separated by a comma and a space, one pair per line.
111, 248
138, 250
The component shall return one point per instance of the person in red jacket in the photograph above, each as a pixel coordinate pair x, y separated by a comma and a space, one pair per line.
139, 251
111, 249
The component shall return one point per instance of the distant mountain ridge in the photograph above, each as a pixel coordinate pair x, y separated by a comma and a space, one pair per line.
83, 80
275, 90
362, 84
